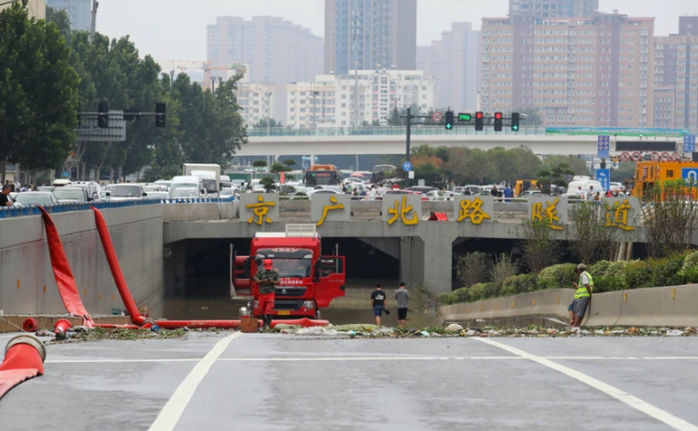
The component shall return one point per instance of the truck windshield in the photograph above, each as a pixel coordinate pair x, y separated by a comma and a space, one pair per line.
210, 185
126, 192
292, 268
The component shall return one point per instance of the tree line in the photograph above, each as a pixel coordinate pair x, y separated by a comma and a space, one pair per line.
52, 73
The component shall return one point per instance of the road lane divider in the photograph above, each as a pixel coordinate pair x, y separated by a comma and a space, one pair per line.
624, 397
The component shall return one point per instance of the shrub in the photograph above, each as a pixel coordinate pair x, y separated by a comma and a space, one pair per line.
519, 284
557, 276
462, 295
503, 267
472, 269
478, 291
599, 268
444, 298
667, 271
690, 276
492, 290
615, 269
690, 262
637, 274
607, 284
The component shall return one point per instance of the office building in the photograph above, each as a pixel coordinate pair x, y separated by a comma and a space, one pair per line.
37, 8
328, 101
676, 76
370, 34
553, 8
454, 61
276, 51
79, 12
578, 72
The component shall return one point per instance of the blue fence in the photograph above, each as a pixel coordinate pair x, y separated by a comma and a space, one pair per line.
32, 210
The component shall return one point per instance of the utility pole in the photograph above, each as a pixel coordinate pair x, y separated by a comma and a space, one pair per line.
409, 118
93, 23
355, 50
268, 113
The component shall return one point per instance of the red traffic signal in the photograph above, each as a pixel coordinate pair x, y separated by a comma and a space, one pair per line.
497, 115
479, 115
498, 121
479, 121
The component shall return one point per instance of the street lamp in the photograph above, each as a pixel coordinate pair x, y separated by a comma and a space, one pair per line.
315, 94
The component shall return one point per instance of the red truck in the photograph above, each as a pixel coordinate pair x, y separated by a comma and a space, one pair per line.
309, 281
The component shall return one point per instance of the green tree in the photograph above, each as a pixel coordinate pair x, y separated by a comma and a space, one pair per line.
61, 19
277, 168
268, 183
38, 92
262, 123
576, 165
289, 162
394, 118
259, 163
557, 175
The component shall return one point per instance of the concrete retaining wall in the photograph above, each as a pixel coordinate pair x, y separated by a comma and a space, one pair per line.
659, 306
27, 283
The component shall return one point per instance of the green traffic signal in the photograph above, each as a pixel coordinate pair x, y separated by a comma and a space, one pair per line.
515, 127
464, 117
449, 126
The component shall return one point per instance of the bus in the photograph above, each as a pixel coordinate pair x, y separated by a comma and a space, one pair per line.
379, 172
323, 175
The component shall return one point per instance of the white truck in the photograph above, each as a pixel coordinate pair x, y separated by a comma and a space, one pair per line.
208, 172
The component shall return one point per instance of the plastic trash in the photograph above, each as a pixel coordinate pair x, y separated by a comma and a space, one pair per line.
674, 333
454, 327
424, 333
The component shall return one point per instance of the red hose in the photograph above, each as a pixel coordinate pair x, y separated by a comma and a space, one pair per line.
129, 303
65, 280
139, 320
24, 359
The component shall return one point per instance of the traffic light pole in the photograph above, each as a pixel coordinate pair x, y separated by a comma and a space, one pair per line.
409, 118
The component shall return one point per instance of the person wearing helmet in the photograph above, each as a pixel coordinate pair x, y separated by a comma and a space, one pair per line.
267, 278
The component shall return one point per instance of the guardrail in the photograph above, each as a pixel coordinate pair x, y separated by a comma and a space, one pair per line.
417, 129
61, 207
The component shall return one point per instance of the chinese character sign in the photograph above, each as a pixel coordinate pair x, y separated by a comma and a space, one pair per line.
622, 213
551, 210
326, 207
474, 209
259, 208
403, 209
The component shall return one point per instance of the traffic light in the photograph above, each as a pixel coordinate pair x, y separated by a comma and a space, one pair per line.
464, 117
449, 120
603, 163
160, 114
498, 121
479, 121
515, 121
103, 115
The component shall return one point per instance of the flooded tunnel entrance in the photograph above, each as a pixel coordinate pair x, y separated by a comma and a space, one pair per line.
198, 278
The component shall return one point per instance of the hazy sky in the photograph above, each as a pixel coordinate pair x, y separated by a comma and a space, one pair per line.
176, 29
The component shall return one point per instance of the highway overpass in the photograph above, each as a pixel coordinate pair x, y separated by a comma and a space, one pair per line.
395, 144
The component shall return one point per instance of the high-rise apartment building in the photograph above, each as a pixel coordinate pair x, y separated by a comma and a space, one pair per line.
676, 76
78, 12
370, 34
36, 8
276, 52
553, 8
578, 72
455, 63
328, 101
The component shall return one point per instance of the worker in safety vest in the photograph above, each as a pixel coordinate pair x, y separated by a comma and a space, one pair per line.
267, 278
582, 295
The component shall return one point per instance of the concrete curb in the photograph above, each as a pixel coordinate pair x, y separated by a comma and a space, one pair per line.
658, 306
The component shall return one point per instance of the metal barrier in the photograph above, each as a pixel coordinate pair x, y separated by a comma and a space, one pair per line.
61, 207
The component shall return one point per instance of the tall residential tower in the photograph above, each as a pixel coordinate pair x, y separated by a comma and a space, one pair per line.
370, 34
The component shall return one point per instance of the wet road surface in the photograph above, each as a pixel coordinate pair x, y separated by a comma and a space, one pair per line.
281, 382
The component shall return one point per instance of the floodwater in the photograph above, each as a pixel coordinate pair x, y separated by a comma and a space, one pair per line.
354, 307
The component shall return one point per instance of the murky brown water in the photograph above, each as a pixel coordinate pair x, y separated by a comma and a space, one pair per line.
354, 307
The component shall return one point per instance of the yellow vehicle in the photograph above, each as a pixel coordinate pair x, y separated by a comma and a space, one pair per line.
523, 185
649, 173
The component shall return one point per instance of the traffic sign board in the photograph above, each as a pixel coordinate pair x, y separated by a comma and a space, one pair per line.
665, 157
637, 156
654, 156
689, 143
625, 156
604, 177
676, 157
604, 146
464, 117
407, 166
436, 116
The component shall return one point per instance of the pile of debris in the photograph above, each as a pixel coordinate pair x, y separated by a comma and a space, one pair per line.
456, 330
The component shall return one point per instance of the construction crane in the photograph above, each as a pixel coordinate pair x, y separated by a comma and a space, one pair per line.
199, 65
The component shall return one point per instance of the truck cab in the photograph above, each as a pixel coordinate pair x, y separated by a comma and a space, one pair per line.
309, 280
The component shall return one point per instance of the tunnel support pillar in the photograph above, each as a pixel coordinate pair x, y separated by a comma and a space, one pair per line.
427, 261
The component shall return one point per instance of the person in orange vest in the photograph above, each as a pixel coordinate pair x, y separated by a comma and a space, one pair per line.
267, 279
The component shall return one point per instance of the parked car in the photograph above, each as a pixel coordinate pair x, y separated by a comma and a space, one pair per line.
68, 193
45, 188
35, 198
528, 193
159, 195
438, 195
406, 192
126, 192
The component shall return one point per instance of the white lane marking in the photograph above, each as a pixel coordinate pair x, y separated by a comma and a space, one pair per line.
170, 414
632, 401
377, 358
118, 361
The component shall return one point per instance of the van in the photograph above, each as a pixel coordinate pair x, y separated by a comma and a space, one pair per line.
61, 183
572, 188
224, 182
186, 186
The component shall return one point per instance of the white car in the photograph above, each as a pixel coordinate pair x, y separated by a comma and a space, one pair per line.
159, 195
185, 193
35, 198
438, 195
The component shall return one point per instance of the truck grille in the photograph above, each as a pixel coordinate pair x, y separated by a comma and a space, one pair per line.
286, 304
290, 291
